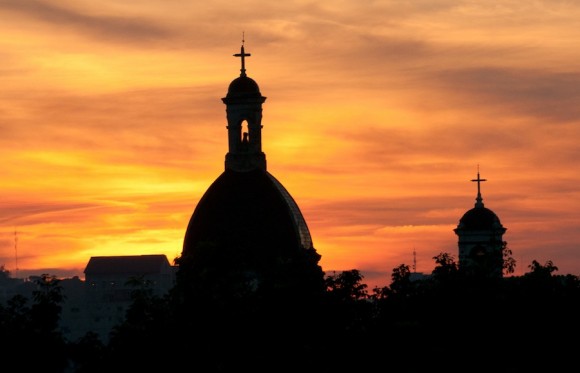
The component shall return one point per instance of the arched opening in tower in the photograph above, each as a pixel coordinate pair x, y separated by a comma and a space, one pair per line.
245, 135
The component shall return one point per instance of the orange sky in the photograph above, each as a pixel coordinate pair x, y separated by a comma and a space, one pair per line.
378, 115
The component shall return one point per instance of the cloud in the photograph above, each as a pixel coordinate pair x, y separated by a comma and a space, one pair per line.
544, 95
137, 132
20, 212
111, 28
380, 212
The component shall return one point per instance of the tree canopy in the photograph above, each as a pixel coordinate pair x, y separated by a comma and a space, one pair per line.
441, 321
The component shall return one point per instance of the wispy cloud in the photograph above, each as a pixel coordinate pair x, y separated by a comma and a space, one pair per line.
112, 28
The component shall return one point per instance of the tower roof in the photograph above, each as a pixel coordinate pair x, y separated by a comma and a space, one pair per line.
243, 86
479, 217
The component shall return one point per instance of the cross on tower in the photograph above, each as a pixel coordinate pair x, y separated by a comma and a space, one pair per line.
243, 55
479, 180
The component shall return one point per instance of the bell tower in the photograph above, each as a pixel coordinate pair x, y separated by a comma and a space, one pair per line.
480, 239
244, 114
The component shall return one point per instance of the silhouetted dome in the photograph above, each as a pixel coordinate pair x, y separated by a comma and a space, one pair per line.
251, 211
479, 218
244, 86
247, 236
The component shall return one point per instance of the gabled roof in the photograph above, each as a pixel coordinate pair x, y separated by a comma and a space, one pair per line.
138, 264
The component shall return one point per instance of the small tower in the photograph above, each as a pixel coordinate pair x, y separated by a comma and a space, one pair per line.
480, 234
244, 114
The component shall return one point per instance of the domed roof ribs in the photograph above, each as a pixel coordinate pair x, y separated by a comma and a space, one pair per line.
478, 200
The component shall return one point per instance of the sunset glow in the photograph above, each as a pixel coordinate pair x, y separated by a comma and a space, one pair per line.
377, 117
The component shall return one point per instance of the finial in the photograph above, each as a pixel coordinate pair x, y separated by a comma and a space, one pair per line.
478, 200
243, 56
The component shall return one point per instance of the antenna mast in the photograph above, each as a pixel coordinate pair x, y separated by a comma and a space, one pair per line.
414, 261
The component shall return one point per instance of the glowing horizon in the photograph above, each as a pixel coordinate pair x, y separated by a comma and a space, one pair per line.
376, 119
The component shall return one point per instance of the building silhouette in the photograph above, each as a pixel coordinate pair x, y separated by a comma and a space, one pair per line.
99, 303
247, 225
480, 239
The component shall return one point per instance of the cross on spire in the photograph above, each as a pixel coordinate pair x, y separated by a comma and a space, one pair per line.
243, 56
479, 200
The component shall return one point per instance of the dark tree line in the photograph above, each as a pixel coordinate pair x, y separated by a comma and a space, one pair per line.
450, 321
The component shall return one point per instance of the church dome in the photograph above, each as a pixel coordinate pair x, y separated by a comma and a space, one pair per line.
250, 211
479, 218
243, 85
247, 234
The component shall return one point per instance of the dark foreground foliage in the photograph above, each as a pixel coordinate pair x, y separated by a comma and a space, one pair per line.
448, 321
